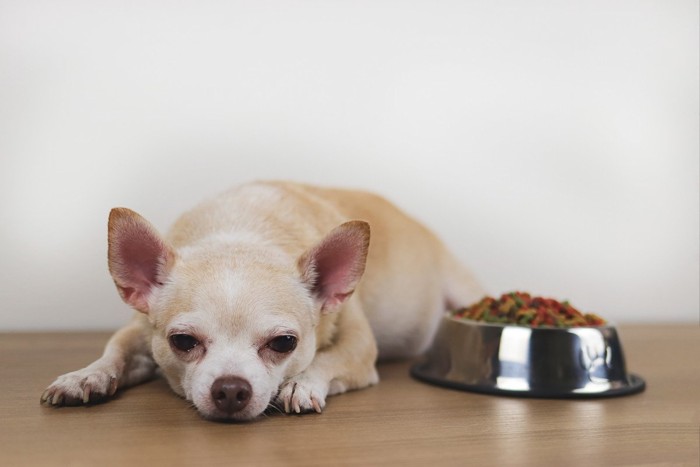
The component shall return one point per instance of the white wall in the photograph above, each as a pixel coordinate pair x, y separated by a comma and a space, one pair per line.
553, 145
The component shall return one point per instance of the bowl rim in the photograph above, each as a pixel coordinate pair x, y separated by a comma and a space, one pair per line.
468, 321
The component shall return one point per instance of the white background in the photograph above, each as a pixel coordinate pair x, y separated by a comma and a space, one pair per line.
553, 145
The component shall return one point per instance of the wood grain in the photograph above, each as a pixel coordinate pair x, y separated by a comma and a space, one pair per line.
399, 422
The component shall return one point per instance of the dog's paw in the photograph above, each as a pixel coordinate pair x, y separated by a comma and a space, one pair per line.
89, 385
303, 394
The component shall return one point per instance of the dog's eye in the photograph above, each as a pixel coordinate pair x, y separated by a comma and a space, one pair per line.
283, 344
183, 342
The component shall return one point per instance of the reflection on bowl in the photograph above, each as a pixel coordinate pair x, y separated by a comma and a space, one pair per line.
524, 361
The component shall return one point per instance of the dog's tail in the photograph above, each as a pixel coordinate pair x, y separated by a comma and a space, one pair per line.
461, 288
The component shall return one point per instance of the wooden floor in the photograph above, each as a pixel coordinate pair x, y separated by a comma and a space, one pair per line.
399, 422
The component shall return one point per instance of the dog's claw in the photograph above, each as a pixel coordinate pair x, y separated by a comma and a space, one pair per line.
57, 399
86, 395
315, 405
113, 385
287, 405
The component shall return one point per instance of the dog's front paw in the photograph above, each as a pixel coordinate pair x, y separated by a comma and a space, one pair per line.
303, 394
89, 385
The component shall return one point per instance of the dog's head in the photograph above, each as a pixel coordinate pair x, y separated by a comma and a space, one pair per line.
232, 320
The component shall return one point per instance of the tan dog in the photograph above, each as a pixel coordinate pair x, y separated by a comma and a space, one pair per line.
255, 299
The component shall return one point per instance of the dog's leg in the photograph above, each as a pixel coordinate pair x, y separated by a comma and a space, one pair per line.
126, 361
331, 271
139, 261
349, 363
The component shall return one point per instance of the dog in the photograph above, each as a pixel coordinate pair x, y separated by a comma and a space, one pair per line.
270, 295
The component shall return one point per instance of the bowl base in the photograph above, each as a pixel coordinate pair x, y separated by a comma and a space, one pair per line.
635, 384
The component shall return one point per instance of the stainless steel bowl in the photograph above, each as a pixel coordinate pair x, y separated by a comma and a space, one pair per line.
514, 360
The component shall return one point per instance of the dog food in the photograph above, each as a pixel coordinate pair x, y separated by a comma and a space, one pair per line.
521, 308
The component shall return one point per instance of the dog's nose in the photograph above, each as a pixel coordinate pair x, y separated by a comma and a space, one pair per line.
231, 393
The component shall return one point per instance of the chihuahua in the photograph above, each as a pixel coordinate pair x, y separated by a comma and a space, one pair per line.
270, 295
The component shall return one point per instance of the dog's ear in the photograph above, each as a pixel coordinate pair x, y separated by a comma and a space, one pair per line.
139, 259
334, 266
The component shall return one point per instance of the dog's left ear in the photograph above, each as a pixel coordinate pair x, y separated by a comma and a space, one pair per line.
333, 267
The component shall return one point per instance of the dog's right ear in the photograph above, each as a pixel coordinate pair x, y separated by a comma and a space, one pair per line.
139, 259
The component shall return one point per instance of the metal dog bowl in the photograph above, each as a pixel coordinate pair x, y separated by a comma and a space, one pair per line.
576, 362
